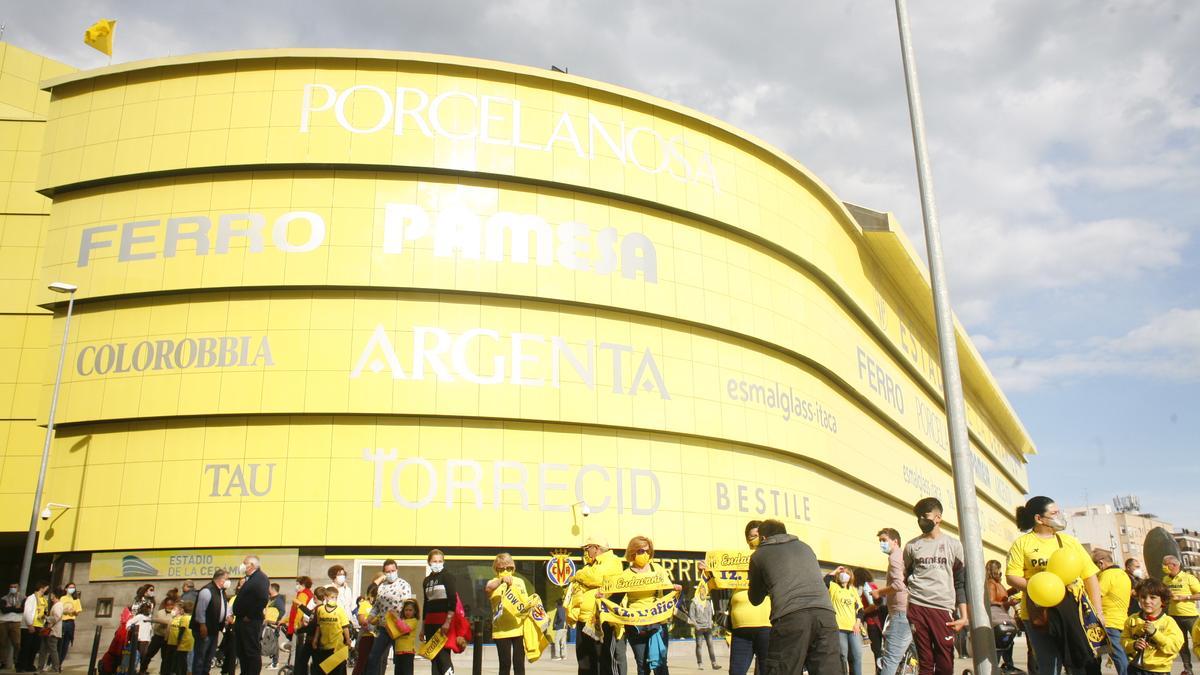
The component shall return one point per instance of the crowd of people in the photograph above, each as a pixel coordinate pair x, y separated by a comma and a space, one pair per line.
784, 615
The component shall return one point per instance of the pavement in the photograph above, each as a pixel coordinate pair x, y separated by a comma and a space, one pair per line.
682, 659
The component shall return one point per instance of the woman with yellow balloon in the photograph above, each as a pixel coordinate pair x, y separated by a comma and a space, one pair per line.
1051, 567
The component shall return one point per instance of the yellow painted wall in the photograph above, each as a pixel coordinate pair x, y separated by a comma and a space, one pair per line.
24, 326
265, 241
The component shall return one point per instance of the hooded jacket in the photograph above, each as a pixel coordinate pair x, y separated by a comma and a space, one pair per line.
587, 582
786, 569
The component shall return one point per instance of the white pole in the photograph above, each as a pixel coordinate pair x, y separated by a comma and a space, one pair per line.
982, 640
31, 538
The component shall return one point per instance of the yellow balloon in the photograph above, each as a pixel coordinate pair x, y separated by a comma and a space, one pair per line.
1065, 564
1046, 589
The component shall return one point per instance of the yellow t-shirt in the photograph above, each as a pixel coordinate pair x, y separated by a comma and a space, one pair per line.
71, 608
747, 615
1164, 644
1182, 584
180, 635
329, 626
271, 614
1030, 553
407, 642
642, 599
506, 625
846, 603
39, 614
1114, 597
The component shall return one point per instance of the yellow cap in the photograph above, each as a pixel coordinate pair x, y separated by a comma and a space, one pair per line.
596, 540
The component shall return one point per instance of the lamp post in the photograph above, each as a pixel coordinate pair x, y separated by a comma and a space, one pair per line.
31, 539
982, 640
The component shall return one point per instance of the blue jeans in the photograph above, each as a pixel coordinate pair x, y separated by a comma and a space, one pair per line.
202, 654
897, 636
1119, 657
1045, 650
638, 638
748, 644
851, 644
377, 660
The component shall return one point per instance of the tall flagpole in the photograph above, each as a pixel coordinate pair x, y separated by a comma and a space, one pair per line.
982, 640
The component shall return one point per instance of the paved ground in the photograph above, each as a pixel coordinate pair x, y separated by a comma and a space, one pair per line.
682, 660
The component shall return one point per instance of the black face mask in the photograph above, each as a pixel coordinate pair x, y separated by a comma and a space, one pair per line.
925, 524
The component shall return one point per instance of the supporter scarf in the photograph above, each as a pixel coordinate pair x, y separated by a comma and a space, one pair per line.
533, 617
730, 569
659, 612
430, 648
336, 659
657, 580
1092, 627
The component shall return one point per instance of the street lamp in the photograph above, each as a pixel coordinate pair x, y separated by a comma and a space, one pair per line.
982, 640
31, 539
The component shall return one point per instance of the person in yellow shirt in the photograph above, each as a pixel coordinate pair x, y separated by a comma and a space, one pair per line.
1030, 554
1152, 638
406, 642
72, 607
1115, 588
366, 632
751, 624
594, 656
181, 640
507, 629
848, 609
639, 554
333, 630
1185, 591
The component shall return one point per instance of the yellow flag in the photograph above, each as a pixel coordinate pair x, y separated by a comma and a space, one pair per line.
100, 35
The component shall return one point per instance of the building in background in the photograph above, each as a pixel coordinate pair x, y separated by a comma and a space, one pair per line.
1120, 527
1189, 547
337, 306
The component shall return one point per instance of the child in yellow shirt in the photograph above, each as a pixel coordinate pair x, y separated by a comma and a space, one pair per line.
1151, 638
179, 637
406, 641
332, 633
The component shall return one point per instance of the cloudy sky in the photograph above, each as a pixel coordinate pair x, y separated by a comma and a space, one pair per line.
1065, 141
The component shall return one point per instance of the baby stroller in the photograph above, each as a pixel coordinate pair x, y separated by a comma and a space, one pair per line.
1005, 631
270, 641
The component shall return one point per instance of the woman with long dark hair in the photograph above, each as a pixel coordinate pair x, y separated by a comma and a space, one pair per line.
1054, 635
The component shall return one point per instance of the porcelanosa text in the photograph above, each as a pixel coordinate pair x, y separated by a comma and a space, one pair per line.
495, 120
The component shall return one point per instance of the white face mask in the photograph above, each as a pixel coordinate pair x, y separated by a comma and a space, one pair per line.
843, 577
226, 585
341, 580
299, 588
1140, 573
241, 570
392, 577
70, 591
436, 567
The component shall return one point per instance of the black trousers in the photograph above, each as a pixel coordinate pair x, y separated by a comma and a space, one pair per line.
248, 631
807, 638
441, 664
587, 652
512, 655
31, 644
320, 655
157, 642
1185, 625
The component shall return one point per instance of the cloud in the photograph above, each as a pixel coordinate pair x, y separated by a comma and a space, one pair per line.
1166, 347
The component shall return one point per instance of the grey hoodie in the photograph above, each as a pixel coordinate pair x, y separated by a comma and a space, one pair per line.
786, 569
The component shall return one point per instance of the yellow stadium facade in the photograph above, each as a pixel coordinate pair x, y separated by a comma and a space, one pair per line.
348, 305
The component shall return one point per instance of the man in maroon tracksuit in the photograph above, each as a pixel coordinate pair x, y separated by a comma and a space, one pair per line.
933, 564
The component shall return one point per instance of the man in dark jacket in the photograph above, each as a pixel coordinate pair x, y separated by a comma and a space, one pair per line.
248, 616
208, 620
803, 626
